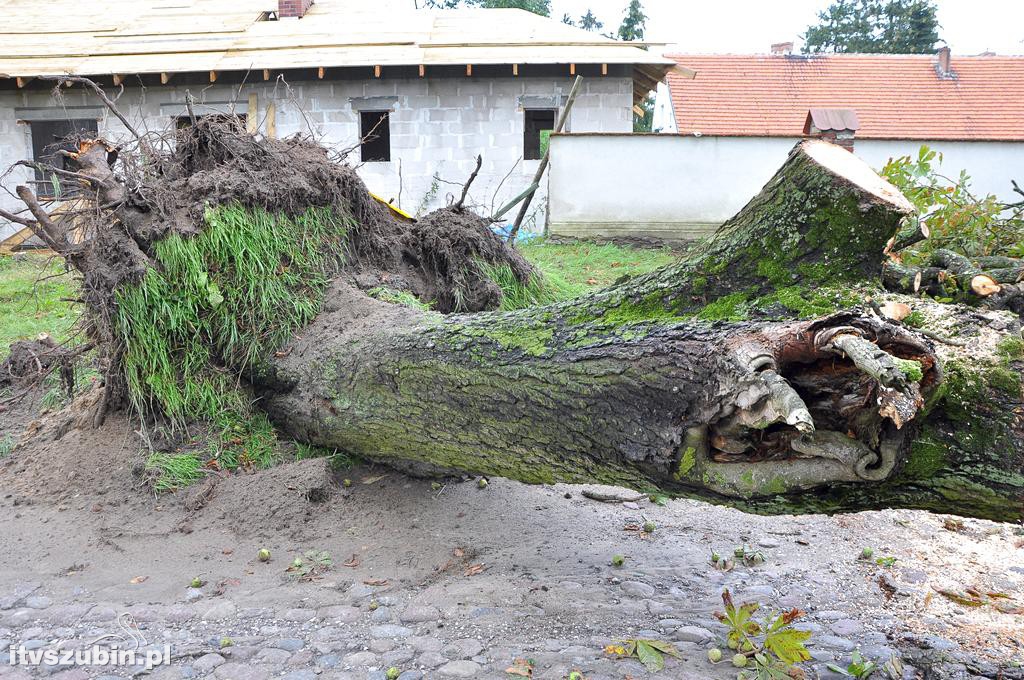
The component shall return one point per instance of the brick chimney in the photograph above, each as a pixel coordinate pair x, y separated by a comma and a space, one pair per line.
942, 63
782, 48
838, 126
293, 8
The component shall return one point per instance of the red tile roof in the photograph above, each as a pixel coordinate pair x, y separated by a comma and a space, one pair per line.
894, 96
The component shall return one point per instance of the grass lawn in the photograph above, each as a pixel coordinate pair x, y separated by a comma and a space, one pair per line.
585, 266
31, 288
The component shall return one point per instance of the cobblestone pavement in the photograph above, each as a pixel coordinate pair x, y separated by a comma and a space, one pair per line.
458, 582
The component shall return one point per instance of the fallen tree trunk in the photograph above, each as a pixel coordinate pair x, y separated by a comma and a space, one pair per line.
730, 376
630, 387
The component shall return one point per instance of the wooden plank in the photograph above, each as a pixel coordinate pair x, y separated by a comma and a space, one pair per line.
22, 81
515, 69
9, 244
683, 72
469, 69
423, 70
118, 79
271, 130
213, 76
320, 73
376, 71
604, 69
165, 78
572, 69
252, 114
563, 117
266, 74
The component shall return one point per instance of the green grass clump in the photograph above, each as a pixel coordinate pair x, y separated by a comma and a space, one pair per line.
915, 320
582, 266
7, 445
218, 303
225, 297
397, 297
33, 294
338, 460
174, 471
539, 290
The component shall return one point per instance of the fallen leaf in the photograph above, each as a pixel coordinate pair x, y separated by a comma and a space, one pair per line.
371, 480
964, 599
352, 561
138, 579
591, 282
474, 569
375, 581
521, 667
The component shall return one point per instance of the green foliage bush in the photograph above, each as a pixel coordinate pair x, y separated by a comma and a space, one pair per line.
958, 219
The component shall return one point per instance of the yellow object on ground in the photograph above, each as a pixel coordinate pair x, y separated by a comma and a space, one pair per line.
398, 211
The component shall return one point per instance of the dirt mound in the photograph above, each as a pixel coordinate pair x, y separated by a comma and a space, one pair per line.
275, 500
31, 360
451, 247
57, 459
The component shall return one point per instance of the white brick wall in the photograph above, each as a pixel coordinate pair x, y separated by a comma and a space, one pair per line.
438, 126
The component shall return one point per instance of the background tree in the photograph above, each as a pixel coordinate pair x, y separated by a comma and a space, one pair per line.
588, 22
874, 26
542, 7
632, 27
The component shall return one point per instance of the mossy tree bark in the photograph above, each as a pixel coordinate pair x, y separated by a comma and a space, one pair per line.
678, 381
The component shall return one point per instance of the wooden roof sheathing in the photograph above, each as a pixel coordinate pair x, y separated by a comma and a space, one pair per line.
152, 36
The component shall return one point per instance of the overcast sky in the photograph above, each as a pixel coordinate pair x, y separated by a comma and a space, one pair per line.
751, 26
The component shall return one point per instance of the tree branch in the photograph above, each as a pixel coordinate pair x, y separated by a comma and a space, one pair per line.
469, 182
99, 93
44, 227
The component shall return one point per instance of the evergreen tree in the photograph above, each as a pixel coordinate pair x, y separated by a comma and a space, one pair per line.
588, 22
875, 26
633, 27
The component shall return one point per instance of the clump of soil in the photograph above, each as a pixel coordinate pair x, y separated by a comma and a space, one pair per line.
30, 361
448, 247
216, 161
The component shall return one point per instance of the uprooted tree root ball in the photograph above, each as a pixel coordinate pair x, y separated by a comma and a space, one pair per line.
211, 254
253, 284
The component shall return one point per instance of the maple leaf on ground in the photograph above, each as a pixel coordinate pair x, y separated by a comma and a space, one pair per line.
787, 643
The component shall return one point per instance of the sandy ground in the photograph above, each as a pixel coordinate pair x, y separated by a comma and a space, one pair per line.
459, 581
